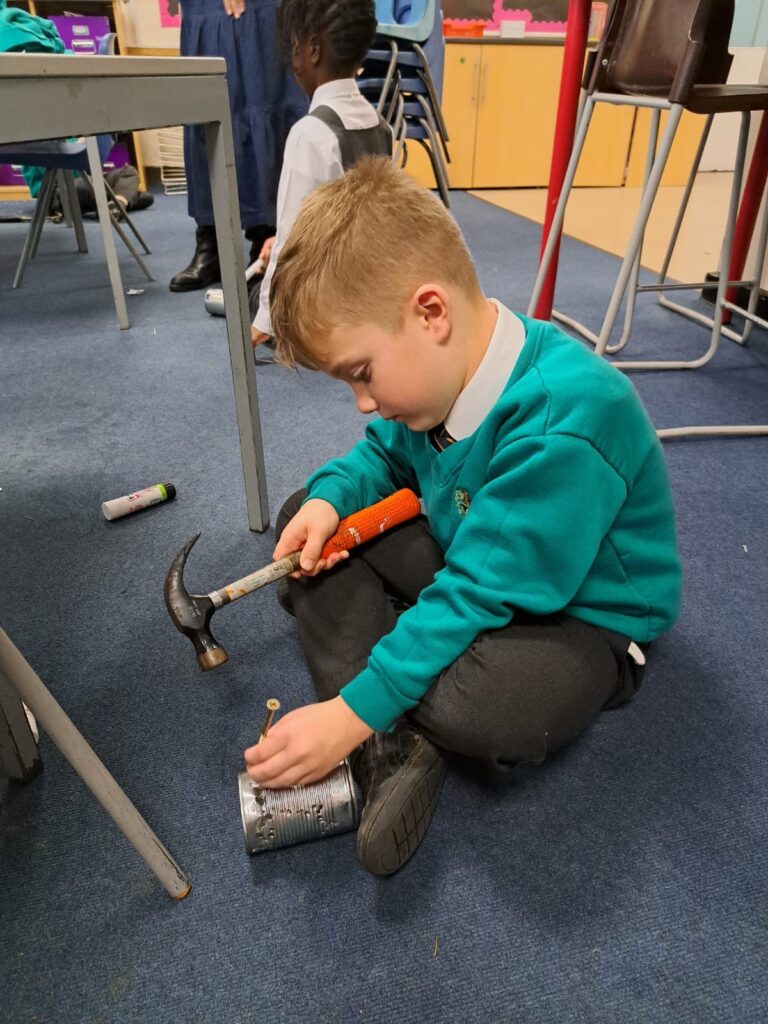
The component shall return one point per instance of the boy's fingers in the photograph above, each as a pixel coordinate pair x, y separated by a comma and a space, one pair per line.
267, 773
310, 554
261, 752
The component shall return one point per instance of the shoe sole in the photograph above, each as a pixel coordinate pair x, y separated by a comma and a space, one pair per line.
384, 846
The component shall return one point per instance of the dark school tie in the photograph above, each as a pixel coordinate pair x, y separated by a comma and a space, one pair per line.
439, 438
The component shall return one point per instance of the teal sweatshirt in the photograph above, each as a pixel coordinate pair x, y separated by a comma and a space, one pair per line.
558, 502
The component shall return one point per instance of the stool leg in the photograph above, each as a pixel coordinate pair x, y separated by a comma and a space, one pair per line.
754, 293
18, 674
725, 257
634, 277
636, 238
682, 210
553, 238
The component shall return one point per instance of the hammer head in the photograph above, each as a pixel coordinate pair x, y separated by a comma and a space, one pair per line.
191, 613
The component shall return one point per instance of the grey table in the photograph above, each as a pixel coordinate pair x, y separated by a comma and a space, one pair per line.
47, 97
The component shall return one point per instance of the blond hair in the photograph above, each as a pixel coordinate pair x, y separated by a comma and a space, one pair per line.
356, 252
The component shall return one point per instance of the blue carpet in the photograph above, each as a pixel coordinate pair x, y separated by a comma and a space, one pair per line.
623, 881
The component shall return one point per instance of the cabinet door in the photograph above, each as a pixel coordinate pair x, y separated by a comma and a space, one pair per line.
460, 92
517, 104
681, 155
517, 110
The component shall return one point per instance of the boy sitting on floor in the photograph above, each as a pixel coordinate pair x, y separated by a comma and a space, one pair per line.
501, 623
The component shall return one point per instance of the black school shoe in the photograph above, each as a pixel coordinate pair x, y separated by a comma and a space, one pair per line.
401, 775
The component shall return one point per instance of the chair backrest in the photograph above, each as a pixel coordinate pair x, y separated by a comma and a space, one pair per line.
664, 47
410, 20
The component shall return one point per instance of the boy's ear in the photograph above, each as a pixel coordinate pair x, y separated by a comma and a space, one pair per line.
431, 306
315, 49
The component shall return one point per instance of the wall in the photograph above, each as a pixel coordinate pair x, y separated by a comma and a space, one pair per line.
749, 43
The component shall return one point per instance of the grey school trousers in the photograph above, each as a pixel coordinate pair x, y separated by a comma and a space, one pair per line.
514, 696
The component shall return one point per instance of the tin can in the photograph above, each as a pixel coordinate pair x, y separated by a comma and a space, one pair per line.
273, 818
214, 301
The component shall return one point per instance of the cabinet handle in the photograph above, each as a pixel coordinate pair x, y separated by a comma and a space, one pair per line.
484, 86
475, 79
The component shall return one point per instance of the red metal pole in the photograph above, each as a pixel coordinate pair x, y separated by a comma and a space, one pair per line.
565, 128
749, 208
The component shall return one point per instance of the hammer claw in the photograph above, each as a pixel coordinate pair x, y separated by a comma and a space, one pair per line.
191, 613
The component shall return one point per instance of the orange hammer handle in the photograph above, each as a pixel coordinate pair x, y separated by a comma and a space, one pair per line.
372, 521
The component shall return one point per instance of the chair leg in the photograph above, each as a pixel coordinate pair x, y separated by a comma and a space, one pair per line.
553, 238
36, 227
122, 235
441, 176
634, 277
18, 676
74, 210
683, 206
105, 223
692, 364
426, 74
638, 231
388, 77
44, 199
754, 294
126, 218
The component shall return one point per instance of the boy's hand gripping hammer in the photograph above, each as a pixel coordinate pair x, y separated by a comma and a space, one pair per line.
191, 613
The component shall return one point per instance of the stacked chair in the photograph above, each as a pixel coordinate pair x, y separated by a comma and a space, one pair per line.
666, 57
397, 79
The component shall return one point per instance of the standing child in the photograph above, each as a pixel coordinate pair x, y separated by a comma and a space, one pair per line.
501, 623
327, 41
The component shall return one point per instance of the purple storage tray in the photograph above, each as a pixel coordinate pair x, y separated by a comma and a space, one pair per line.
81, 33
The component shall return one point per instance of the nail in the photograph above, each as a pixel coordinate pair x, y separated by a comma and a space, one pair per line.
273, 705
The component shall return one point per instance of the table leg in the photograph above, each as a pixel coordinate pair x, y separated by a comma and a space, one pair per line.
18, 675
102, 206
226, 214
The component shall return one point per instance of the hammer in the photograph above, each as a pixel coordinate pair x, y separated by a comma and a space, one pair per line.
191, 613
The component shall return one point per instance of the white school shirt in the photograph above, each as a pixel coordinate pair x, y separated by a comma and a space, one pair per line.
486, 384
311, 157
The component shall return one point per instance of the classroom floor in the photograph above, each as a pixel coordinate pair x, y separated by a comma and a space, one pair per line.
603, 217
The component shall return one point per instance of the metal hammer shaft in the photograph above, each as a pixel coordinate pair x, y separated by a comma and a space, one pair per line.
269, 574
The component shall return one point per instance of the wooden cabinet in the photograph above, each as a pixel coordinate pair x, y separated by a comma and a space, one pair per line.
681, 155
500, 105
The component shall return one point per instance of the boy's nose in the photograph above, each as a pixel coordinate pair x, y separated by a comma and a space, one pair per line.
366, 404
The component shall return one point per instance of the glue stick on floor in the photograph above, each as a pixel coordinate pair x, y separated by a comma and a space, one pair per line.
135, 502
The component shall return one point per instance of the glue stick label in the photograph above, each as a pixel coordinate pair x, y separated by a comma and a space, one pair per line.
137, 501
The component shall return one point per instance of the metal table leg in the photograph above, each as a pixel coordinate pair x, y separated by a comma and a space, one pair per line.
17, 674
226, 214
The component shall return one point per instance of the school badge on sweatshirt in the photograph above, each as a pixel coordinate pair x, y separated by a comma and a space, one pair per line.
462, 500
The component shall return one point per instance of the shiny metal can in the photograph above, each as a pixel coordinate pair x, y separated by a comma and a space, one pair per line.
214, 301
273, 818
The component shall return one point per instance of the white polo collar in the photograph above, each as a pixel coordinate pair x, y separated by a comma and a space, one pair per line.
485, 386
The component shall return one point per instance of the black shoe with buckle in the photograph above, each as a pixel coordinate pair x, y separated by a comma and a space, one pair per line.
401, 775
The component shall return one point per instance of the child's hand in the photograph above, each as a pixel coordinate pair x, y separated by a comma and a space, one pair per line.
266, 249
306, 745
310, 528
258, 337
234, 8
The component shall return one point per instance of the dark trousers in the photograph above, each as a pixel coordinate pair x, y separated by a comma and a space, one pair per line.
514, 696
